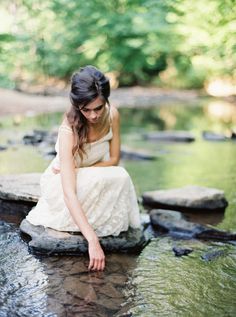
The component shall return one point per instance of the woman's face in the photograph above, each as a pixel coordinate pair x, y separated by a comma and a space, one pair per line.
94, 111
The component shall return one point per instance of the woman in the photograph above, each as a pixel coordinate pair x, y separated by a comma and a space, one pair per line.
83, 189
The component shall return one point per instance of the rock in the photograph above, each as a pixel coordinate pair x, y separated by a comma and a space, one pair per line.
212, 233
3, 148
132, 154
194, 198
181, 251
211, 136
49, 241
19, 193
173, 136
174, 224
211, 255
35, 137
23, 187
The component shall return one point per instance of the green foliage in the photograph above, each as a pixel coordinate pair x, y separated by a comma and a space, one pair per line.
176, 43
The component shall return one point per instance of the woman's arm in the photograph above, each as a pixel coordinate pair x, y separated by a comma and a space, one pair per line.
115, 141
68, 179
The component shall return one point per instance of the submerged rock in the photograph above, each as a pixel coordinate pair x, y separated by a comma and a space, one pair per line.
174, 223
178, 251
173, 136
186, 198
49, 241
211, 255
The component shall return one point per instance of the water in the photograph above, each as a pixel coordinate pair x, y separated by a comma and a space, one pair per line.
185, 286
156, 283
59, 285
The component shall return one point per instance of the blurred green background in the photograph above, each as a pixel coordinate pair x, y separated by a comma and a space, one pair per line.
174, 43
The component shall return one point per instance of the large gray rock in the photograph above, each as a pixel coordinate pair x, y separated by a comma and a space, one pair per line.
19, 193
174, 223
23, 187
49, 241
170, 136
186, 198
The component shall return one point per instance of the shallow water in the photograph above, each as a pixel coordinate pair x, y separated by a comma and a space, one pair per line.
59, 285
159, 284
166, 285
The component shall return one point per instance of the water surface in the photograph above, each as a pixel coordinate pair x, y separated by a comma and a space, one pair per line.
158, 284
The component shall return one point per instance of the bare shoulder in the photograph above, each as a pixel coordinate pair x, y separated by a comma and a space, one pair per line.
115, 114
65, 121
65, 126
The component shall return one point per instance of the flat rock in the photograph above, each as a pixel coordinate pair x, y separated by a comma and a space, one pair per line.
23, 187
186, 198
174, 223
128, 153
212, 136
49, 241
173, 136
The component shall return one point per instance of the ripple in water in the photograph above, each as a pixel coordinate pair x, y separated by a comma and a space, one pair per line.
23, 283
166, 285
58, 286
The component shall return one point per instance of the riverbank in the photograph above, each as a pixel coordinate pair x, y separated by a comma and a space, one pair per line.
14, 102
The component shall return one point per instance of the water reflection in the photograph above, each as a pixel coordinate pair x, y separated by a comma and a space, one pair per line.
184, 286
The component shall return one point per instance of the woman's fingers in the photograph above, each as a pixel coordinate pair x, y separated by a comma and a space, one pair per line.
91, 264
96, 256
102, 264
97, 264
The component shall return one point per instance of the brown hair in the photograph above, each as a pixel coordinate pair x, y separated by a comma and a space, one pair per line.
87, 84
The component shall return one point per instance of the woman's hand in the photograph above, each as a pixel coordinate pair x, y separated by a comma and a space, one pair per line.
96, 256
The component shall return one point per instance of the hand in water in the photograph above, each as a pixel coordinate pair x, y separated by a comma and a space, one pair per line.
96, 257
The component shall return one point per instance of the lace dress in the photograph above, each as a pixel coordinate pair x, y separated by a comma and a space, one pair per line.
106, 194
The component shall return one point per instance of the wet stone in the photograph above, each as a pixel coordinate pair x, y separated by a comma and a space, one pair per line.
192, 198
79, 289
174, 223
213, 254
178, 251
110, 291
49, 241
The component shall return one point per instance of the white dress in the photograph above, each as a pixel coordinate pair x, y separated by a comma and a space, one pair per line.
106, 194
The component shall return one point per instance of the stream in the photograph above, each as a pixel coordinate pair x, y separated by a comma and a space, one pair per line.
154, 283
